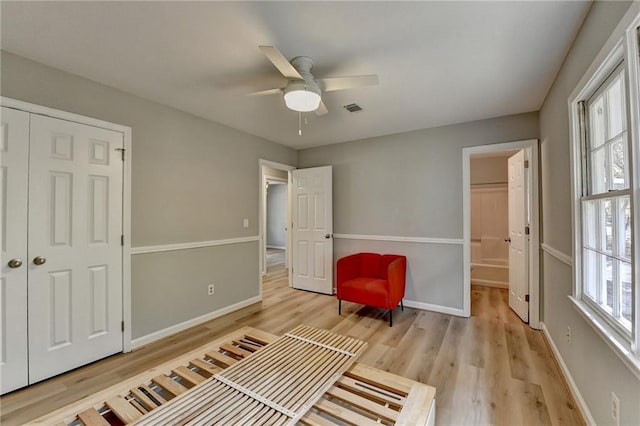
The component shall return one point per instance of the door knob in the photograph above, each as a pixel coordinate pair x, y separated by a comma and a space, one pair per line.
15, 263
327, 236
39, 260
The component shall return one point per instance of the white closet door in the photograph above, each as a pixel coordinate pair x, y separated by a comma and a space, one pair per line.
75, 225
14, 150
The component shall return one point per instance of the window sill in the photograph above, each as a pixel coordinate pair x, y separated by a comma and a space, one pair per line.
620, 347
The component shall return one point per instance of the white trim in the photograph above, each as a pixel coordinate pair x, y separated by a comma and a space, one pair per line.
156, 335
619, 346
276, 247
531, 145
622, 44
63, 115
262, 218
126, 194
192, 245
434, 308
399, 239
564, 258
582, 405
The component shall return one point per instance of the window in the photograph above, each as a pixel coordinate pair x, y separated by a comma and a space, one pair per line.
606, 203
605, 141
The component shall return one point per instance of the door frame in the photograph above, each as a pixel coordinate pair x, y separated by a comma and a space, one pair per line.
126, 194
262, 217
532, 145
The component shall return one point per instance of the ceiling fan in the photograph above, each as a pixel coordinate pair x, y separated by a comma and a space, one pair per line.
303, 92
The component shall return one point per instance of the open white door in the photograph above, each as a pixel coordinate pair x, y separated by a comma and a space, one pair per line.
75, 252
14, 150
518, 237
313, 230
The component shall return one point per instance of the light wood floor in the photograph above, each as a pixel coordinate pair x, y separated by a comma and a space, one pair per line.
487, 369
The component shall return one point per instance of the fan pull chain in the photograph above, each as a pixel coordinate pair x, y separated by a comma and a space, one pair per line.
299, 124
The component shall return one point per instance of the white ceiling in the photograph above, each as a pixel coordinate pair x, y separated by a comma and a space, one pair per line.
438, 62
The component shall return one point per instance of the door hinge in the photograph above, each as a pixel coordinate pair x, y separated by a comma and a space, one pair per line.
526, 297
122, 151
122, 240
526, 164
526, 230
122, 325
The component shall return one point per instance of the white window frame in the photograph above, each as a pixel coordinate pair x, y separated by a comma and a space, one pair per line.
622, 45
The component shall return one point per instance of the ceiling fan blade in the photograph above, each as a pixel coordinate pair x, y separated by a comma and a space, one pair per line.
266, 92
342, 83
280, 62
322, 109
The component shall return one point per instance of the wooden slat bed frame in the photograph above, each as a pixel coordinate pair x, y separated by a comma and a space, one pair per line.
210, 385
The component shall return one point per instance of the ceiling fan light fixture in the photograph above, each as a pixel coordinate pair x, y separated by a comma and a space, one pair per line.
299, 97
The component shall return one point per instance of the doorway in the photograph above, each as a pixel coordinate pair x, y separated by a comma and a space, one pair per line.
275, 217
501, 228
276, 229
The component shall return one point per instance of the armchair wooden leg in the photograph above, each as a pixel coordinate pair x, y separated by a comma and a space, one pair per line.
339, 307
390, 317
401, 305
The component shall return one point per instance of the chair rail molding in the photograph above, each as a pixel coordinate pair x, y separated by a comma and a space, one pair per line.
192, 245
564, 258
400, 239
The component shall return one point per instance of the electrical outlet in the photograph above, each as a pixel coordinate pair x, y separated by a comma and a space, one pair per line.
615, 408
211, 289
245, 223
568, 335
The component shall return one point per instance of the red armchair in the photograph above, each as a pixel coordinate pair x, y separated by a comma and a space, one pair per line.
373, 280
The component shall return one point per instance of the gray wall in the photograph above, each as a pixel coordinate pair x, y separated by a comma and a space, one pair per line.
410, 185
192, 180
596, 370
276, 215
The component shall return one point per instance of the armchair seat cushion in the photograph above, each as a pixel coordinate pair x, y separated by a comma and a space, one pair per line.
368, 291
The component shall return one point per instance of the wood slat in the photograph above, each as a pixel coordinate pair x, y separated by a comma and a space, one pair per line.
91, 417
245, 344
239, 352
369, 391
123, 410
205, 366
313, 419
381, 379
344, 414
223, 359
153, 393
171, 386
260, 337
147, 402
188, 376
367, 405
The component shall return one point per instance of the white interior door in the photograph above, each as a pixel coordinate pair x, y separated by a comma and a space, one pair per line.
75, 253
519, 244
14, 149
313, 230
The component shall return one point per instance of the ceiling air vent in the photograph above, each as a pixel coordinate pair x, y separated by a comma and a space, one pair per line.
353, 107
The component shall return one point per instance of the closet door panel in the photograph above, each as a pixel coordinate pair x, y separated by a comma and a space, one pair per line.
75, 255
14, 151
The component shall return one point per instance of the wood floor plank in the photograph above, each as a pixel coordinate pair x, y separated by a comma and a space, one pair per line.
448, 352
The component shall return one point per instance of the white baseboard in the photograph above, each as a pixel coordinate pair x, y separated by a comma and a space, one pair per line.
582, 405
152, 337
435, 308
